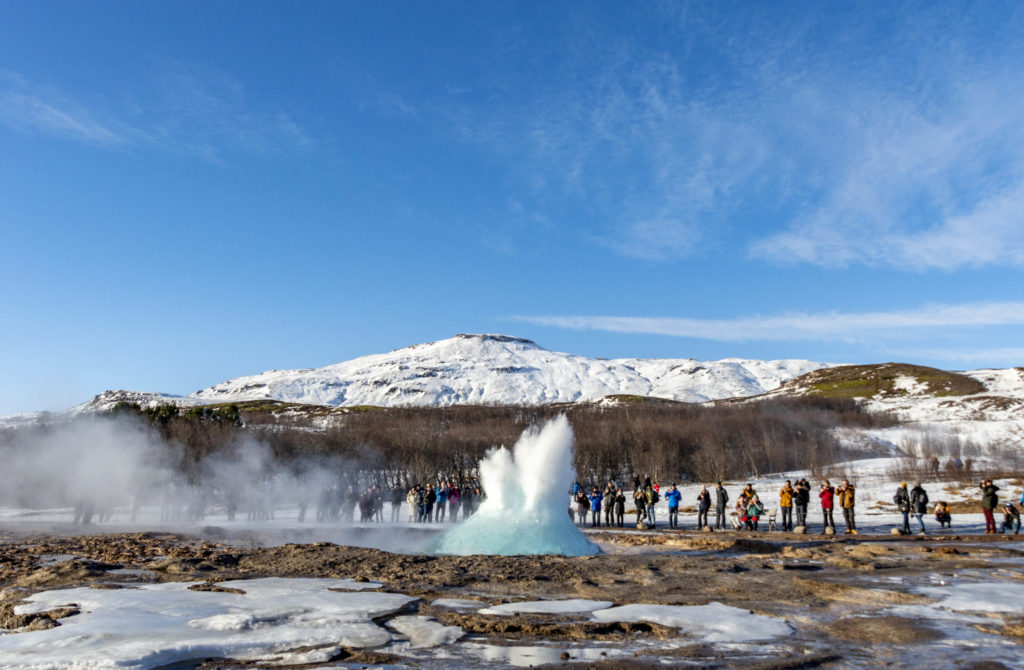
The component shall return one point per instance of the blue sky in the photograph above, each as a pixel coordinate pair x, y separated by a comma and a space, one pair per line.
192, 191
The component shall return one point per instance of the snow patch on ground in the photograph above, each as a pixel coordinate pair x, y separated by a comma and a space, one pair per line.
984, 597
573, 606
909, 385
424, 632
713, 622
158, 624
457, 603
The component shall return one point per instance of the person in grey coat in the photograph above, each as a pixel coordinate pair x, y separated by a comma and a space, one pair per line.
721, 500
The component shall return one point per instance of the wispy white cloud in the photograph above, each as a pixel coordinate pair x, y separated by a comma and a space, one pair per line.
786, 136
919, 191
183, 109
799, 326
29, 108
1008, 356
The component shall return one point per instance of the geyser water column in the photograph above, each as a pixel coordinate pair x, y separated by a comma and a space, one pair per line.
526, 509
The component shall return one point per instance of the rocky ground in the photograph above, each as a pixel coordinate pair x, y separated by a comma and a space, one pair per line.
836, 592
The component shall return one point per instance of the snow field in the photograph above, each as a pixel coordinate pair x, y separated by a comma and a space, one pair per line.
157, 624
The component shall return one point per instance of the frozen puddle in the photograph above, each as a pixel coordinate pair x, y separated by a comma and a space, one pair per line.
575, 606
158, 624
1000, 597
713, 622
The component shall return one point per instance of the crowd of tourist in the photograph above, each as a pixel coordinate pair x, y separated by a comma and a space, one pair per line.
794, 500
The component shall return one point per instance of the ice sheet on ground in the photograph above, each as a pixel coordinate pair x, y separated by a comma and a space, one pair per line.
713, 622
932, 613
988, 597
157, 624
423, 631
457, 603
526, 656
573, 606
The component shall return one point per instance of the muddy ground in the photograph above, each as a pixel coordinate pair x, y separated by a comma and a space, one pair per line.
834, 591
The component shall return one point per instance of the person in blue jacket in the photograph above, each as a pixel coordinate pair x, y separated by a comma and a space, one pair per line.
673, 496
595, 507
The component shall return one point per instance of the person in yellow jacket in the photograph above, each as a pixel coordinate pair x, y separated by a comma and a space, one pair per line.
846, 501
786, 494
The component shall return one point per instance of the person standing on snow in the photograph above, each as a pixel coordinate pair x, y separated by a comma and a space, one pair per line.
641, 506
595, 508
672, 497
801, 499
827, 496
989, 502
442, 502
902, 500
620, 507
847, 502
703, 505
721, 500
609, 507
786, 494
651, 497
919, 504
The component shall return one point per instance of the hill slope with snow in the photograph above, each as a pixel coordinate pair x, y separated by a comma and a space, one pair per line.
497, 369
977, 407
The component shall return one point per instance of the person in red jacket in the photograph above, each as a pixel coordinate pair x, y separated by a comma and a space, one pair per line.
827, 496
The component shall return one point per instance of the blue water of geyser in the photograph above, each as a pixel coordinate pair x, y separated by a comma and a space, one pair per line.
526, 509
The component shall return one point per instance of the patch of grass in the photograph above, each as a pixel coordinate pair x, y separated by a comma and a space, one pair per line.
866, 381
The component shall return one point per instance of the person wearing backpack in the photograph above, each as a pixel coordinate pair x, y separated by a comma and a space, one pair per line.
989, 502
902, 500
919, 504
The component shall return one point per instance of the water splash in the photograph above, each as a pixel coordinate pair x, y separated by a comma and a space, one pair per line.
526, 509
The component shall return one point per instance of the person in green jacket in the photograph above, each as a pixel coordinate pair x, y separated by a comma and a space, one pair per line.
989, 501
754, 511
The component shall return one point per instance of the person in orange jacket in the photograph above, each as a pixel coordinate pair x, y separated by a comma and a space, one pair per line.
786, 494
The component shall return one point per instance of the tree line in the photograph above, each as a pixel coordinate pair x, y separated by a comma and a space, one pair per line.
387, 446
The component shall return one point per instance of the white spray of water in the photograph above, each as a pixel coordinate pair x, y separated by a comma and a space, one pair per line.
526, 509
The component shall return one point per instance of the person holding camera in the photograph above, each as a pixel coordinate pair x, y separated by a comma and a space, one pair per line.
989, 502
801, 499
827, 496
846, 501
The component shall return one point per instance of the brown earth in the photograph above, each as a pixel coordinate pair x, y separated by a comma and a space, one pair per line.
819, 585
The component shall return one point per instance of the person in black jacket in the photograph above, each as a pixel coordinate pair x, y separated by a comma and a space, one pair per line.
1011, 519
919, 504
721, 499
620, 507
989, 502
801, 499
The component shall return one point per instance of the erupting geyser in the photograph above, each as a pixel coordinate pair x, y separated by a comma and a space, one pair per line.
526, 509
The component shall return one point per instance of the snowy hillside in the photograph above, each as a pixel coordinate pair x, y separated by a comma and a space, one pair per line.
984, 408
497, 369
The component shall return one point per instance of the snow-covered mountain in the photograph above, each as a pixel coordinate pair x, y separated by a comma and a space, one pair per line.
497, 369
